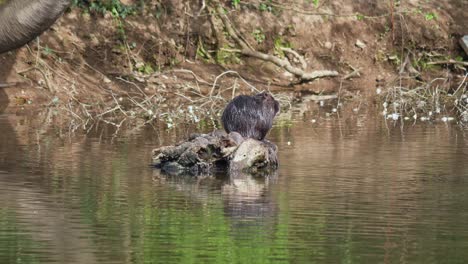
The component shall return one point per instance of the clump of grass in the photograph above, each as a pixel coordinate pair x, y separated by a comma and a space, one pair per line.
114, 7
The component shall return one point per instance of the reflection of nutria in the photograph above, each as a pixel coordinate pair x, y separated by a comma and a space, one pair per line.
250, 116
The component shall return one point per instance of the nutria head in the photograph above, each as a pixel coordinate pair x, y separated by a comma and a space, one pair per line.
250, 116
268, 101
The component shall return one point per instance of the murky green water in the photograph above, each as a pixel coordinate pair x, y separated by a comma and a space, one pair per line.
343, 194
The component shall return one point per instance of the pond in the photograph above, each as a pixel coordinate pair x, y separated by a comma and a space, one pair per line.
346, 192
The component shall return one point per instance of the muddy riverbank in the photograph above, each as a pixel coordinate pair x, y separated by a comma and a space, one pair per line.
168, 64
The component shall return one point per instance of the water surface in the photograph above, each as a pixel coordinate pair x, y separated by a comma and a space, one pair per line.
345, 192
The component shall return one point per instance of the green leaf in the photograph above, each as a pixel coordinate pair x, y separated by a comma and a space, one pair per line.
235, 3
430, 16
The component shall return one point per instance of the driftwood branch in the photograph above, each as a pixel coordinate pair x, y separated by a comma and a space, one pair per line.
283, 63
355, 73
464, 63
297, 55
6, 85
202, 8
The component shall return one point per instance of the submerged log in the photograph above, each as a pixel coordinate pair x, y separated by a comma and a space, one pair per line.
217, 151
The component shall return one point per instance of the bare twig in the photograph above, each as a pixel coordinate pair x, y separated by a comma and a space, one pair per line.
355, 73
202, 8
229, 72
5, 85
297, 55
464, 63
193, 74
46, 79
135, 85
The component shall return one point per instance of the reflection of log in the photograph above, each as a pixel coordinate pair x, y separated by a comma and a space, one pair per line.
205, 153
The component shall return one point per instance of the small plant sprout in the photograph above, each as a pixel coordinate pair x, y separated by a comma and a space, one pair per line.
430, 16
235, 3
258, 35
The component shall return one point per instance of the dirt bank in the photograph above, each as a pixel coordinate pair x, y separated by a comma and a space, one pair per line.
176, 61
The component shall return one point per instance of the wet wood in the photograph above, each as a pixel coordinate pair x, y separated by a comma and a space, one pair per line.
217, 151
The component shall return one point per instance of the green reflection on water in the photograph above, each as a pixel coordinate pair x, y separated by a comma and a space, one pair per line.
350, 202
15, 245
162, 225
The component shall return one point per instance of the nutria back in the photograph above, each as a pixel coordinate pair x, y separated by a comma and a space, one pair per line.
250, 116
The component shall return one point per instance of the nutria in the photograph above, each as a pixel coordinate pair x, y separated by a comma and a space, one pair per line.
250, 116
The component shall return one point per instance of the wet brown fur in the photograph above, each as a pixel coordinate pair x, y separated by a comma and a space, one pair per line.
250, 116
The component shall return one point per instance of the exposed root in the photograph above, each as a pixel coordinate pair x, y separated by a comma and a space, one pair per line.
247, 50
464, 63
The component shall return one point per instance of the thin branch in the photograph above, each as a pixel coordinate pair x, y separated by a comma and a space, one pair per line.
193, 74
227, 72
297, 55
202, 8
464, 63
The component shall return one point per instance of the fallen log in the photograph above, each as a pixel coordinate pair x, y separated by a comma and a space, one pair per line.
218, 151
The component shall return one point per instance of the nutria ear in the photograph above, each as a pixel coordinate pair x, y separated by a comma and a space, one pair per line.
258, 97
276, 107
